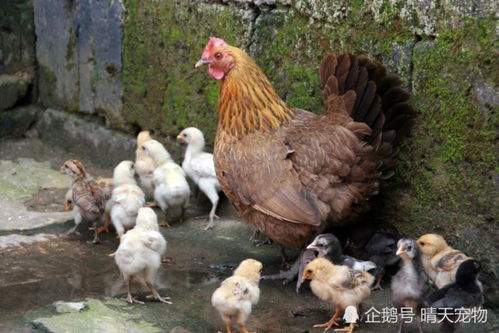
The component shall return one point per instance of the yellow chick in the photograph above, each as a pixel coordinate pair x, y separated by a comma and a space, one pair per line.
144, 164
238, 293
440, 261
339, 285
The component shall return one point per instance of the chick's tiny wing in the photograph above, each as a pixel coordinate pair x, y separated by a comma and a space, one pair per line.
203, 166
450, 261
89, 198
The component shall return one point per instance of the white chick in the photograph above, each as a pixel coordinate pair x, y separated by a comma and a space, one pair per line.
144, 164
155, 150
199, 166
171, 189
126, 199
238, 293
139, 253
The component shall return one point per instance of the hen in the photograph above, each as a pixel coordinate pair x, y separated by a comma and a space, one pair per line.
339, 285
291, 172
87, 196
199, 166
440, 261
144, 165
238, 293
139, 253
127, 198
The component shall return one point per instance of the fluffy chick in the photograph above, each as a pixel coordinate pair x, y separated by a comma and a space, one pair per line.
238, 293
339, 285
139, 253
199, 166
87, 196
171, 189
126, 199
157, 152
373, 244
440, 261
144, 164
465, 292
410, 282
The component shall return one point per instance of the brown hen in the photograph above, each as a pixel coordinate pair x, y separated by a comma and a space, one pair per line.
291, 172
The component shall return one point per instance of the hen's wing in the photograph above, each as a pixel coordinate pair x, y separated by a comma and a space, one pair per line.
88, 195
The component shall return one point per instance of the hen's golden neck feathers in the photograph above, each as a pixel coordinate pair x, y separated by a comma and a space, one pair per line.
247, 101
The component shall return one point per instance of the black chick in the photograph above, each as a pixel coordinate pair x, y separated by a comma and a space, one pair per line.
465, 292
376, 245
411, 282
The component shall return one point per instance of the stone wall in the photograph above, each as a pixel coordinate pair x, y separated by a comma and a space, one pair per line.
130, 62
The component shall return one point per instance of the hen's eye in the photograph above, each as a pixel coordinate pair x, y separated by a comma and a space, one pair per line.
218, 55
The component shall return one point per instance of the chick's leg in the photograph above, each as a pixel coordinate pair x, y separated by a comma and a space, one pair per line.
241, 319
129, 297
348, 329
77, 218
228, 323
327, 325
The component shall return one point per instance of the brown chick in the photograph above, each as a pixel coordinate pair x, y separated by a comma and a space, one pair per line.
339, 285
440, 261
87, 196
238, 293
107, 186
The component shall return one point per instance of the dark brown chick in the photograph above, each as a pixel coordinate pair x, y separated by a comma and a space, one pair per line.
88, 198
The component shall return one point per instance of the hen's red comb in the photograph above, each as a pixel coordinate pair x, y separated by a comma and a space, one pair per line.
214, 42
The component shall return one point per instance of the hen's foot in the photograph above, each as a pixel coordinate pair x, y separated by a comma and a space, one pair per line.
159, 298
257, 241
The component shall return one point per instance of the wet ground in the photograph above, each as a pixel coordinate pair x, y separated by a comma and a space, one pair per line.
40, 267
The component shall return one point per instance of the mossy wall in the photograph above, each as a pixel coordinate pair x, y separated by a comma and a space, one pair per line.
447, 174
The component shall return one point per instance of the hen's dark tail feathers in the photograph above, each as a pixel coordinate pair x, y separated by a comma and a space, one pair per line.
380, 101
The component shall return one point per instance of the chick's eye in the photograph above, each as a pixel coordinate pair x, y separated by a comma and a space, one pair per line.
218, 55
309, 271
409, 248
421, 243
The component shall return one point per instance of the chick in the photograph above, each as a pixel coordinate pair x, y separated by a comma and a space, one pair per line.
139, 253
339, 285
126, 199
107, 186
373, 244
68, 200
328, 246
238, 293
87, 196
199, 166
410, 283
323, 246
157, 152
465, 292
144, 164
440, 261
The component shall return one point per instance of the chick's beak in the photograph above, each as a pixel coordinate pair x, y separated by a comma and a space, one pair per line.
400, 250
313, 247
202, 62
180, 138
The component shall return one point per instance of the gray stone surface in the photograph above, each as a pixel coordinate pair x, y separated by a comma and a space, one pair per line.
101, 144
12, 90
79, 70
17, 36
19, 240
15, 122
68, 307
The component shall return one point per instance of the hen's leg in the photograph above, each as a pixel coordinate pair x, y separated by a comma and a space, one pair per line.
255, 239
327, 325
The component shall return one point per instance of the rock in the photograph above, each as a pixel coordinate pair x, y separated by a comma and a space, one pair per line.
12, 90
179, 329
99, 317
15, 122
18, 240
67, 307
79, 70
17, 36
101, 144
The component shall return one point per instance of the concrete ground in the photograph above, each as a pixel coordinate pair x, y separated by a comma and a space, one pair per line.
40, 267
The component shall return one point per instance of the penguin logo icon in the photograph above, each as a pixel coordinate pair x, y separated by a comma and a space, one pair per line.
350, 316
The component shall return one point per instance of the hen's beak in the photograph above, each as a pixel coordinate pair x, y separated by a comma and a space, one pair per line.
202, 62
